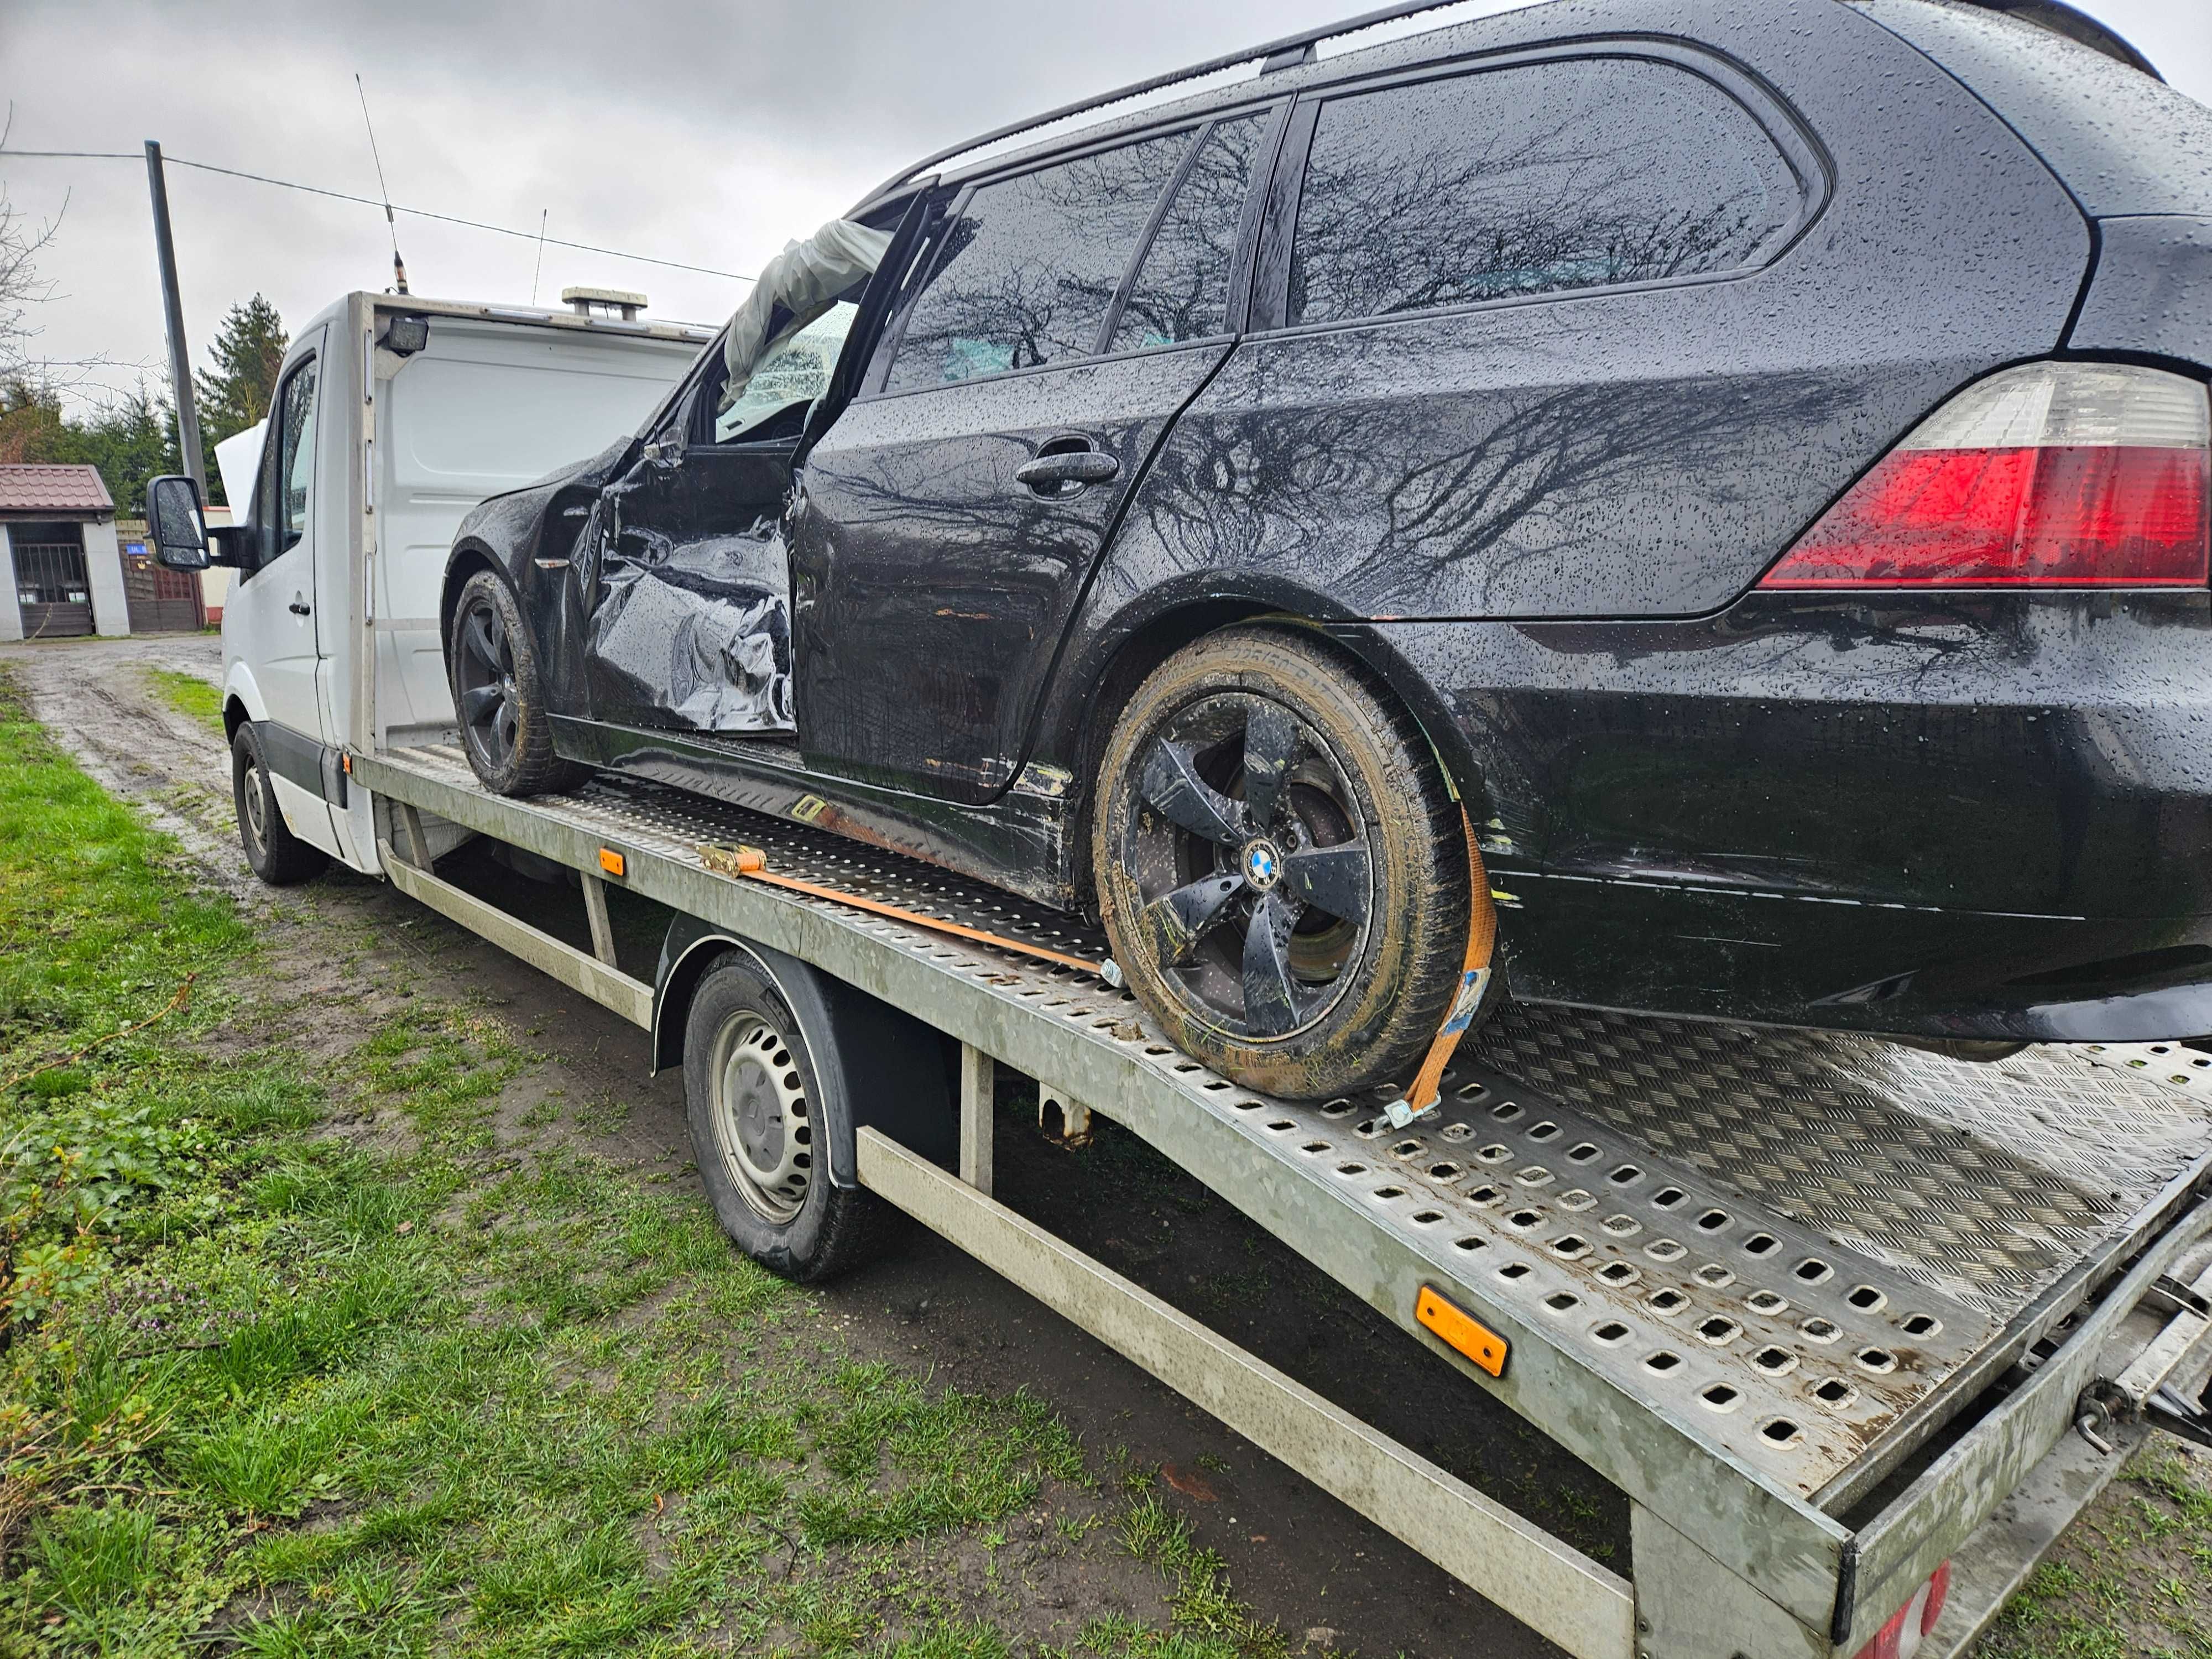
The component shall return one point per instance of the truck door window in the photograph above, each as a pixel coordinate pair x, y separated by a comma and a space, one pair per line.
296, 457
1576, 173
1026, 277
1182, 287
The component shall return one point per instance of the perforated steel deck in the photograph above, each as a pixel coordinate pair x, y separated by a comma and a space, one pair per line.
1785, 1244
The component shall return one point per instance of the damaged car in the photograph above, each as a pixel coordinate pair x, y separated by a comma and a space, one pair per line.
1601, 473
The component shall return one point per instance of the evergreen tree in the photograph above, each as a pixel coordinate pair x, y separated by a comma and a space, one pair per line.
248, 350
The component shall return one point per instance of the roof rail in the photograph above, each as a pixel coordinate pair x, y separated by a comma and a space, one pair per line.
1288, 53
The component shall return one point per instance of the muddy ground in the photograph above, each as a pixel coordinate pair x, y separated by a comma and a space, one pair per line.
1328, 1577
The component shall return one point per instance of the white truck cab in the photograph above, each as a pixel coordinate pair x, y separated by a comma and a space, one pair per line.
393, 417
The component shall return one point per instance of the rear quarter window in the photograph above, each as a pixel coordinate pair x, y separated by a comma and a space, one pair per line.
1541, 178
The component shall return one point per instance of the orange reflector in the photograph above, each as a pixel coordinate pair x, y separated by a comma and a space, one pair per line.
1474, 1340
345, 764
611, 861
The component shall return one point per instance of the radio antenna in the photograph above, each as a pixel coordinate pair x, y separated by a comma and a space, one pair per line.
399, 266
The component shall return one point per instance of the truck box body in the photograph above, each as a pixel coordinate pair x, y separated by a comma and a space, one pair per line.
386, 454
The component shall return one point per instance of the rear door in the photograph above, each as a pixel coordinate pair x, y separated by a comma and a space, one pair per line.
947, 523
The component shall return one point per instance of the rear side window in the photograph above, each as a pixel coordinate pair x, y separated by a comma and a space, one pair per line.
1031, 267
1181, 289
1572, 174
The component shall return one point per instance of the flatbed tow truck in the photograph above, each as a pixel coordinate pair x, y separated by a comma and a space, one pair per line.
1856, 1327
1831, 1311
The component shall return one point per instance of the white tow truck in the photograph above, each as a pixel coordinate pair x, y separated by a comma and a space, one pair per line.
1856, 1327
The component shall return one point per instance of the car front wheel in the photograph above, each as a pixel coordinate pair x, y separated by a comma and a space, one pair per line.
499, 694
1282, 873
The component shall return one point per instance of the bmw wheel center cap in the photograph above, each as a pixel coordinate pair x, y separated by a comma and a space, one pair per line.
1263, 864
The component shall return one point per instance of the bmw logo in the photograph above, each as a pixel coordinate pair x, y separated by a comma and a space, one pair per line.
1261, 864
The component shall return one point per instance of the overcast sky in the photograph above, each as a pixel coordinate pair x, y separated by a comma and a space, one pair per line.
704, 133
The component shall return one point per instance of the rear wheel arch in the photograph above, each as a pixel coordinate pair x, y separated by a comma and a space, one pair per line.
1357, 646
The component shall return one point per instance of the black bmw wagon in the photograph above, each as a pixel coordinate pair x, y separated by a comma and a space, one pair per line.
1711, 494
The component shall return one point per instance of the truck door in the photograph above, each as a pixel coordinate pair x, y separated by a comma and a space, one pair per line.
947, 522
271, 622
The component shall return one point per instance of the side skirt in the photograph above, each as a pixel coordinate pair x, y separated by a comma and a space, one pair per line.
1018, 842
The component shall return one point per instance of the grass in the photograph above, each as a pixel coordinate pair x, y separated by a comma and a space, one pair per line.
2131, 1579
334, 1359
189, 695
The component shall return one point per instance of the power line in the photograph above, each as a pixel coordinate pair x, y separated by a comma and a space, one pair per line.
365, 201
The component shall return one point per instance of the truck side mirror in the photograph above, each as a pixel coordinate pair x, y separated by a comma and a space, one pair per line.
172, 509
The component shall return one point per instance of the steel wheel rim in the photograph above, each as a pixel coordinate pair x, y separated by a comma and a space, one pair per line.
483, 667
1251, 864
763, 1128
256, 804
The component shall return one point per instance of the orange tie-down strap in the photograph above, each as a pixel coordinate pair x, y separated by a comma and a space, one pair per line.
1474, 980
752, 863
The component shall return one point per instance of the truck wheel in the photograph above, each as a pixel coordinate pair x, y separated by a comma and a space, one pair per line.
752, 1097
279, 857
1281, 870
499, 697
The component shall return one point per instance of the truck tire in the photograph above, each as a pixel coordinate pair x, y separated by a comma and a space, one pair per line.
759, 1133
277, 856
499, 695
1281, 870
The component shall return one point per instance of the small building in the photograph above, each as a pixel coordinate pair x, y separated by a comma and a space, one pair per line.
59, 562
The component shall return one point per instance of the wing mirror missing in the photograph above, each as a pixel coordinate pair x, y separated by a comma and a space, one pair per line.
181, 537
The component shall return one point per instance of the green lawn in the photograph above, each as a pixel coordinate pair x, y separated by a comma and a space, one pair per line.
188, 694
452, 1387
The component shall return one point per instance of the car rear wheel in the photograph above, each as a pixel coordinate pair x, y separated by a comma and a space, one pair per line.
277, 856
759, 1132
1281, 870
499, 695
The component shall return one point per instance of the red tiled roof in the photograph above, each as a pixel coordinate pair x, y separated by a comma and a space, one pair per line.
53, 489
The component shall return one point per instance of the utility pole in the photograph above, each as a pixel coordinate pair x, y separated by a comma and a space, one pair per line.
181, 361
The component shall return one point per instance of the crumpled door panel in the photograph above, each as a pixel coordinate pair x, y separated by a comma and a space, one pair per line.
697, 632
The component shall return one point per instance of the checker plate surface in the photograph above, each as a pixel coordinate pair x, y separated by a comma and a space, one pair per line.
1783, 1243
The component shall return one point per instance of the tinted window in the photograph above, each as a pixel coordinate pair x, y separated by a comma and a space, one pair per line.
1029, 269
1555, 176
1181, 288
296, 469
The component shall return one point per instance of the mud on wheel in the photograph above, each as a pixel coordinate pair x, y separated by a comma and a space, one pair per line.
499, 697
1281, 870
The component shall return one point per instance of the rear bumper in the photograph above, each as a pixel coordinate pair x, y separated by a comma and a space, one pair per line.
1947, 816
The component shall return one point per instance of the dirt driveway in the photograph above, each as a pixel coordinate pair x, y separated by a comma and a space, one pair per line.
1330, 1580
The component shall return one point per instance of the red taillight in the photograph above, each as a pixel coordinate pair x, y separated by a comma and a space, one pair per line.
2061, 475
1901, 1637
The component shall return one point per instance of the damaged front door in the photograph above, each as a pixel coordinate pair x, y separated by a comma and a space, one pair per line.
948, 521
687, 590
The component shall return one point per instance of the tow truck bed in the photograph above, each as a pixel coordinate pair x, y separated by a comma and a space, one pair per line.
1825, 1309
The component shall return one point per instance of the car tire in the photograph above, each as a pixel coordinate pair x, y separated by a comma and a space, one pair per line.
1282, 872
276, 855
499, 694
752, 1099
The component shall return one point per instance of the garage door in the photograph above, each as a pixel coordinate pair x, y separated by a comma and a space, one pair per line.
50, 580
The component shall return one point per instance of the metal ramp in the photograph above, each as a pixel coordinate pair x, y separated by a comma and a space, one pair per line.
1744, 1275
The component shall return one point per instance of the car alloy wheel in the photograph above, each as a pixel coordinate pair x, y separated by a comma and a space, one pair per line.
762, 1128
483, 667
1252, 864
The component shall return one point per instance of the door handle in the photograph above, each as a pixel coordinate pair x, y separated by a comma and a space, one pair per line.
1048, 473
299, 606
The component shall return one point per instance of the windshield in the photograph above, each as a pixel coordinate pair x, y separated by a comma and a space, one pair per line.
796, 372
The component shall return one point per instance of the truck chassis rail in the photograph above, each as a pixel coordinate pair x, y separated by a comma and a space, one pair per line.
1818, 1305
